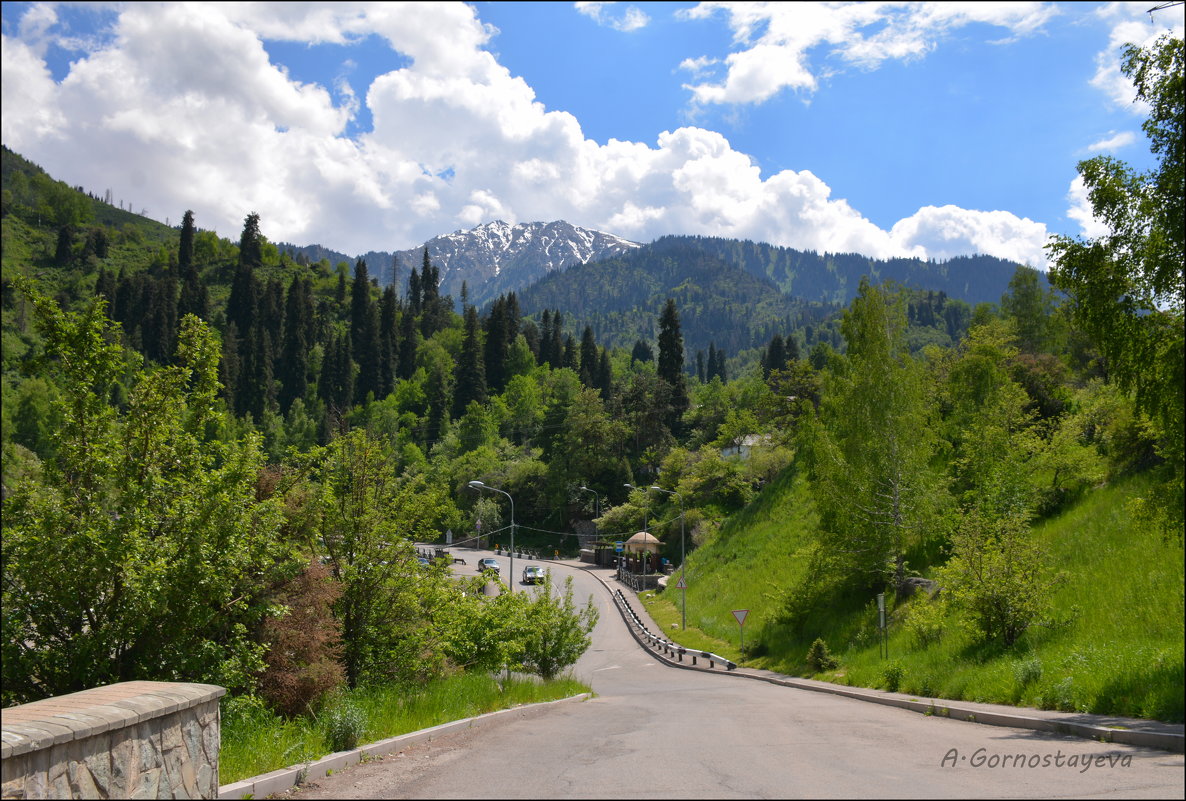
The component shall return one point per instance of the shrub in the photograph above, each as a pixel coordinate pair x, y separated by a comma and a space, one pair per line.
304, 644
891, 675
924, 624
1027, 671
558, 631
344, 726
819, 658
997, 577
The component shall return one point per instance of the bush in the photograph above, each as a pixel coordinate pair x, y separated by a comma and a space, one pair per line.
819, 658
558, 632
344, 726
891, 675
998, 578
1027, 671
924, 624
304, 644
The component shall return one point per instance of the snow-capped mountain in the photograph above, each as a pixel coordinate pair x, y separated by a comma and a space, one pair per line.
491, 259
499, 257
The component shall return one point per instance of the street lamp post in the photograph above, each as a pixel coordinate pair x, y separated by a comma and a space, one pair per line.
596, 502
683, 590
478, 485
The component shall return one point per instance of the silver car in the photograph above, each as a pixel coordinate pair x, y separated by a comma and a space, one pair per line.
489, 563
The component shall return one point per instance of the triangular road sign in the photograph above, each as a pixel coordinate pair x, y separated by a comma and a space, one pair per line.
679, 585
740, 615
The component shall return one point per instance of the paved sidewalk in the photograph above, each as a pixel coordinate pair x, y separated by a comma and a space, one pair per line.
1105, 728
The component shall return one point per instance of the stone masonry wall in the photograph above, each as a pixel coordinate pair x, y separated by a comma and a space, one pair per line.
137, 739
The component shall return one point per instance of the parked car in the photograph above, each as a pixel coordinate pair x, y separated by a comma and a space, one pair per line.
489, 563
533, 574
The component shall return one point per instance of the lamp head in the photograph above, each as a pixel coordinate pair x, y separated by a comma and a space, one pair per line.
477, 484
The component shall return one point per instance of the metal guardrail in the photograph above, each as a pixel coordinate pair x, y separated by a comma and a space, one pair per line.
667, 646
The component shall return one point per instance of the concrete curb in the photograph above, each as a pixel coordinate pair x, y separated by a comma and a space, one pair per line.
278, 781
958, 710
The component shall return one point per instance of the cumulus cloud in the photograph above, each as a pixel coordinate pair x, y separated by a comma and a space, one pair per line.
1131, 23
631, 19
182, 109
776, 40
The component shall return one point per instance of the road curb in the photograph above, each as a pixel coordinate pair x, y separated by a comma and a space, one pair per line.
277, 781
1173, 741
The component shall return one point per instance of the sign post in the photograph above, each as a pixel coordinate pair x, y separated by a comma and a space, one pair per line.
740, 614
884, 643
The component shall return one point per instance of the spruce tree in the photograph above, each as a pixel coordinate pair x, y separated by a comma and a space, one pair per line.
406, 364
292, 369
545, 354
589, 356
388, 341
185, 250
497, 344
364, 332
414, 298
775, 357
605, 376
470, 383
671, 364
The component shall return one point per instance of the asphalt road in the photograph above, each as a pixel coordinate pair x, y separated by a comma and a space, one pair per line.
657, 732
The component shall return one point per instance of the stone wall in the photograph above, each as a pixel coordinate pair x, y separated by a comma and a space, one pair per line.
137, 739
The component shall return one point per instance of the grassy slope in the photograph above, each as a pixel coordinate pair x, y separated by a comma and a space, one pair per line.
1118, 651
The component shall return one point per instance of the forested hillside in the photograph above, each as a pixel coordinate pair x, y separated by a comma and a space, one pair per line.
834, 277
200, 433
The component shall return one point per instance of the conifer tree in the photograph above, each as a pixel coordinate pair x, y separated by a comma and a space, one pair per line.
545, 339
589, 357
388, 341
556, 344
497, 344
605, 376
775, 357
185, 250
671, 364
572, 356
364, 332
414, 297
292, 369
251, 253
106, 287
470, 383
406, 364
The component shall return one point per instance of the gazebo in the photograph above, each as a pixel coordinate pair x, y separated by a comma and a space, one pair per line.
639, 568
642, 542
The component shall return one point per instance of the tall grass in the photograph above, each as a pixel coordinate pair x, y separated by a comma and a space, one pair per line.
255, 740
1113, 643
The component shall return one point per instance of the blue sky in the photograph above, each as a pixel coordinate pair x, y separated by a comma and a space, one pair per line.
927, 129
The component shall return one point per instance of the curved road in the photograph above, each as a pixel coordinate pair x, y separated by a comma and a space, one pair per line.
660, 732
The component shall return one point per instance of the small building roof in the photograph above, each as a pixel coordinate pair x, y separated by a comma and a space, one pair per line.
642, 541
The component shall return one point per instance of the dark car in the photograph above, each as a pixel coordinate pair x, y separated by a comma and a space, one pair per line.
489, 563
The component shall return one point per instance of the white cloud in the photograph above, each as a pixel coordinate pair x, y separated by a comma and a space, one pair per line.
943, 232
777, 39
1131, 24
1080, 211
631, 19
1114, 142
182, 109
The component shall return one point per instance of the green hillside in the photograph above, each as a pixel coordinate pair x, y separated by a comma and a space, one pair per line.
1112, 645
